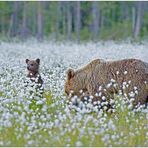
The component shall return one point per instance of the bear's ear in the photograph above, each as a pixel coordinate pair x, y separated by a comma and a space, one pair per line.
38, 61
27, 60
70, 73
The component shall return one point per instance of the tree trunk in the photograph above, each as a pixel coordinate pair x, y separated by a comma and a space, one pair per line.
33, 21
13, 30
95, 17
124, 10
69, 21
78, 20
40, 21
2, 24
138, 19
24, 30
58, 19
133, 18
63, 19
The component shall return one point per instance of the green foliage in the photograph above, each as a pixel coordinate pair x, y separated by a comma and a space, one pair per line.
118, 31
85, 34
144, 30
125, 121
115, 19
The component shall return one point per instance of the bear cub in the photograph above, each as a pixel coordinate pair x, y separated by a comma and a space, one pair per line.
34, 76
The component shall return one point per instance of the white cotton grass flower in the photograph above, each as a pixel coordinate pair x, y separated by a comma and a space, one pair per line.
125, 72
83, 94
96, 94
100, 94
136, 92
95, 102
112, 80
105, 108
71, 91
100, 88
79, 144
130, 106
112, 101
124, 83
135, 88
40, 102
109, 85
89, 105
104, 90
54, 117
123, 87
91, 97
120, 92
127, 85
132, 100
103, 98
111, 125
81, 91
115, 85
132, 94
117, 72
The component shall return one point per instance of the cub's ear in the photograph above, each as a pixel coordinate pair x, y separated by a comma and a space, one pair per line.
27, 60
38, 61
70, 73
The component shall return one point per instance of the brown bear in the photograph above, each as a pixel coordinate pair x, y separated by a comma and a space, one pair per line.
103, 78
33, 74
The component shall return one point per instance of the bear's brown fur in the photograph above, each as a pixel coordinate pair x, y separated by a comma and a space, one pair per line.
33, 72
129, 75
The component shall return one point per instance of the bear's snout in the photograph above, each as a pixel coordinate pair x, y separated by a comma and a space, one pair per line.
28, 67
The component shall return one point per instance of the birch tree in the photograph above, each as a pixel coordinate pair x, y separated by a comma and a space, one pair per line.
138, 18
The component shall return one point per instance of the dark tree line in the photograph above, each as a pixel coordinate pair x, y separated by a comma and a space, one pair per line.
74, 20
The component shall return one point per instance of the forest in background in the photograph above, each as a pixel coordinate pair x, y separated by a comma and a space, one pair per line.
74, 20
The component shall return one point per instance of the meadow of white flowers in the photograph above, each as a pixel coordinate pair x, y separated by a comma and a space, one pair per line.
27, 120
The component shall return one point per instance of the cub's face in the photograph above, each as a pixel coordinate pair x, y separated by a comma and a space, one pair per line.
33, 65
71, 84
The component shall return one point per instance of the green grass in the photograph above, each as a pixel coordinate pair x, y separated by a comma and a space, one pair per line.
130, 128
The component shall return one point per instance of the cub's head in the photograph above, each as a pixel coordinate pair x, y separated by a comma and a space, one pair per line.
72, 84
33, 65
